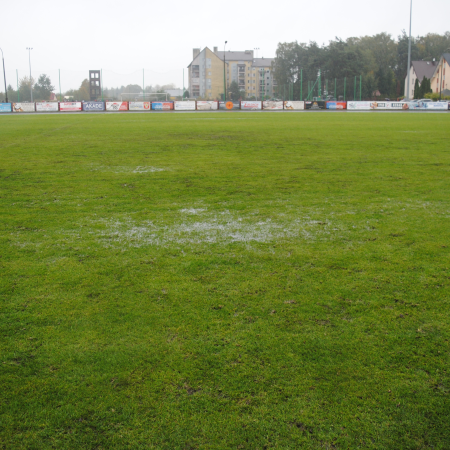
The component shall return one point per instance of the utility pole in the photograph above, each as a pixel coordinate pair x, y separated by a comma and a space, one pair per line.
29, 61
4, 77
409, 56
224, 79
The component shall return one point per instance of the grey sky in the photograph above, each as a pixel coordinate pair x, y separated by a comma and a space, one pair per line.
123, 38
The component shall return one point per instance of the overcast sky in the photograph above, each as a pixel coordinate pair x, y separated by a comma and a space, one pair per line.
122, 38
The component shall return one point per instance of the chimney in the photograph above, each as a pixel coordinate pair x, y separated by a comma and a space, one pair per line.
216, 50
195, 52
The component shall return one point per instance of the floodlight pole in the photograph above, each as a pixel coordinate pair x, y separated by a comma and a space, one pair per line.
409, 54
224, 79
29, 61
4, 77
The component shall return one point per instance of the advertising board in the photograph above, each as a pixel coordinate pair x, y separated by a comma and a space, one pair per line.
207, 106
116, 106
162, 106
294, 105
229, 105
315, 104
23, 107
70, 106
367, 106
252, 105
396, 105
139, 106
185, 106
47, 107
93, 106
272, 105
428, 106
5, 107
336, 105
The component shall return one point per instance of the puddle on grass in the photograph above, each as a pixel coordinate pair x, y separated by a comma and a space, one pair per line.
128, 169
198, 226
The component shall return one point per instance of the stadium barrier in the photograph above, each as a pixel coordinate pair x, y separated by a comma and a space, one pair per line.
214, 105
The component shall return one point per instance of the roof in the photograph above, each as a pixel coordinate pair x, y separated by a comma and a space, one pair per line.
424, 69
262, 62
446, 56
236, 56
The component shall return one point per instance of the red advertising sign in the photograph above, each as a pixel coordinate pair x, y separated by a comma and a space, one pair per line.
116, 106
70, 106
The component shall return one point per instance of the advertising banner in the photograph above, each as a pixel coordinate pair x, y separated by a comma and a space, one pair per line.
366, 106
207, 106
93, 106
315, 104
272, 105
23, 107
139, 106
5, 107
46, 107
252, 105
70, 106
294, 105
428, 106
229, 105
336, 105
395, 105
162, 106
116, 106
185, 106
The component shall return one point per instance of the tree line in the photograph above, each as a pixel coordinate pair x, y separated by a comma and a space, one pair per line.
42, 89
380, 60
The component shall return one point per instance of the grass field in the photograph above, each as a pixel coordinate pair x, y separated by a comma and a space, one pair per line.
225, 281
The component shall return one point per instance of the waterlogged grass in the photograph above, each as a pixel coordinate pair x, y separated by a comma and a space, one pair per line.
225, 281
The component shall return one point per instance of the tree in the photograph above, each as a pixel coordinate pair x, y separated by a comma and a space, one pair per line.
84, 91
425, 87
233, 91
43, 88
186, 94
24, 89
417, 90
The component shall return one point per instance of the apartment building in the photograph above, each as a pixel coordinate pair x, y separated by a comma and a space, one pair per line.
439, 80
253, 75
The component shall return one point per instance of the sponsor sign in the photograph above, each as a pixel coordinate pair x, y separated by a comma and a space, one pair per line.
185, 106
162, 106
294, 105
272, 105
367, 106
23, 107
336, 105
93, 106
116, 106
229, 105
46, 107
70, 106
315, 104
252, 105
139, 106
428, 106
5, 107
396, 105
207, 106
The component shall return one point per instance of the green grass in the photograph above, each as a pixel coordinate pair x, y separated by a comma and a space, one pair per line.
282, 283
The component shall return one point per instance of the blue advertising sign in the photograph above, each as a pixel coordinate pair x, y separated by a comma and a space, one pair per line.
93, 106
5, 107
336, 105
162, 106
